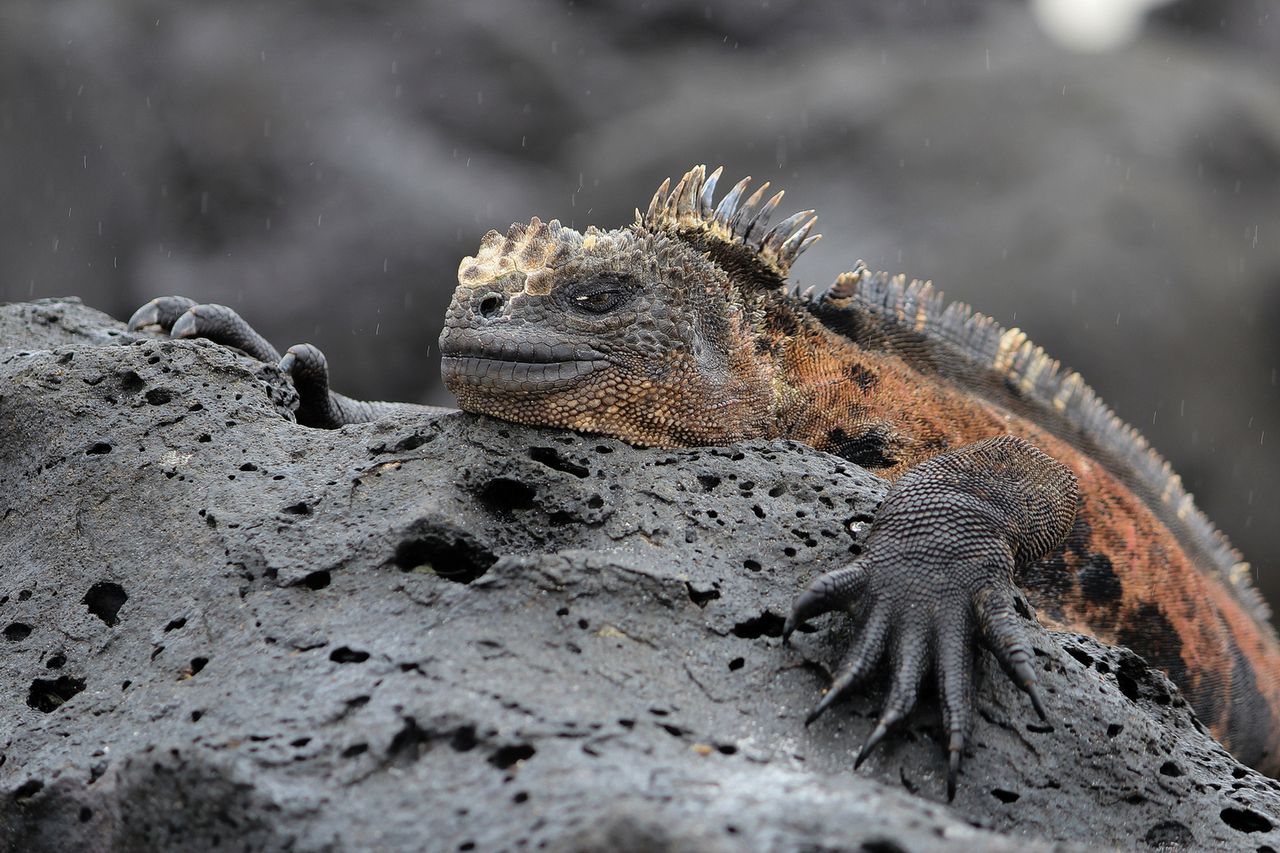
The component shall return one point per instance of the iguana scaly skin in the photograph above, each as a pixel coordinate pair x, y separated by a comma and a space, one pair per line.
1008, 471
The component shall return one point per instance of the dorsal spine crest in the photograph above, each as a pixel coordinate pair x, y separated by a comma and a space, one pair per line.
738, 229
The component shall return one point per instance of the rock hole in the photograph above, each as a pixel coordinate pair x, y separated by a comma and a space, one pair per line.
300, 508
86, 814
1169, 835
672, 729
98, 448
751, 565
701, 597
457, 561
196, 715
708, 481
1081, 655
551, 457
409, 743
355, 749
16, 632
881, 845
1239, 773
1114, 729
1127, 685
464, 739
736, 664
503, 495
758, 511
131, 382
1005, 796
1245, 820
204, 438
56, 662
410, 442
298, 743
317, 580
767, 624
1169, 768
726, 749
104, 600
508, 756
197, 664
27, 790
175, 624
47, 695
346, 654
159, 396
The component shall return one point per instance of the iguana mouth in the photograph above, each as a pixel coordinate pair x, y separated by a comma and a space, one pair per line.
489, 362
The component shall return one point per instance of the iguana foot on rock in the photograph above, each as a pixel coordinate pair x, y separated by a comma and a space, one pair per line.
938, 569
305, 364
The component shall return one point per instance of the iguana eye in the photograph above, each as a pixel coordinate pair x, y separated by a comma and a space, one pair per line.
600, 296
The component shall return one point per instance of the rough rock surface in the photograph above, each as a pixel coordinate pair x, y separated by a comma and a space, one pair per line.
221, 629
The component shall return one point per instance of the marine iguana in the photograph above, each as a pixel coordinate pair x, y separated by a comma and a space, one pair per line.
1009, 473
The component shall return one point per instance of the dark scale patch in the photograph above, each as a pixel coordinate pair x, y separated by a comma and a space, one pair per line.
1098, 581
870, 449
1148, 632
842, 320
1048, 583
1250, 720
741, 263
866, 380
1081, 534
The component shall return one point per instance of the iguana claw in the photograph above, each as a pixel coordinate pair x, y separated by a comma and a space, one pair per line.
937, 574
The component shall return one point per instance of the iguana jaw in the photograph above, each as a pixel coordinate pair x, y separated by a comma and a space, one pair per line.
471, 362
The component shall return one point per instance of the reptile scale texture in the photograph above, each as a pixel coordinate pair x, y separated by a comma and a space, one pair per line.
1012, 481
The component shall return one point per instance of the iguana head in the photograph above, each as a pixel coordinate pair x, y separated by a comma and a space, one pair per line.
648, 333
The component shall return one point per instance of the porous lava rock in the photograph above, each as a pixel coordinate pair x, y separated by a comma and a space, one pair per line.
444, 632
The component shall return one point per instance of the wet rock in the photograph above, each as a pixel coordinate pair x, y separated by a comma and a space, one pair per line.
223, 629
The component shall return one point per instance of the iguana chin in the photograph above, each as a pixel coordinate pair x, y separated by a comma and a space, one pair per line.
1009, 473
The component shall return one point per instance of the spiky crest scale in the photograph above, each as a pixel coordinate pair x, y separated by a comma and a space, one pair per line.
982, 343
737, 231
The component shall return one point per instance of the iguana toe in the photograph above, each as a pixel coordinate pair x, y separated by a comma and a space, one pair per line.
161, 312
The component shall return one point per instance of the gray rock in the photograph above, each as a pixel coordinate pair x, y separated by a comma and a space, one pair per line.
449, 633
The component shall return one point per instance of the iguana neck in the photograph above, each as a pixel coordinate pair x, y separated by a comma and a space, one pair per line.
865, 405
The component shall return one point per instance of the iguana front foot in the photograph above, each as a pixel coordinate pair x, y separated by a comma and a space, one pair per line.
304, 364
937, 573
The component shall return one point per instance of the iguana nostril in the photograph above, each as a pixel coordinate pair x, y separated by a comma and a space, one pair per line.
490, 304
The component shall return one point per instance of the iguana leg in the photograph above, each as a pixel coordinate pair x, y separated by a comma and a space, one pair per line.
318, 406
937, 572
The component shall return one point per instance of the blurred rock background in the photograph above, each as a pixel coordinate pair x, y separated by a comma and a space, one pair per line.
1104, 174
